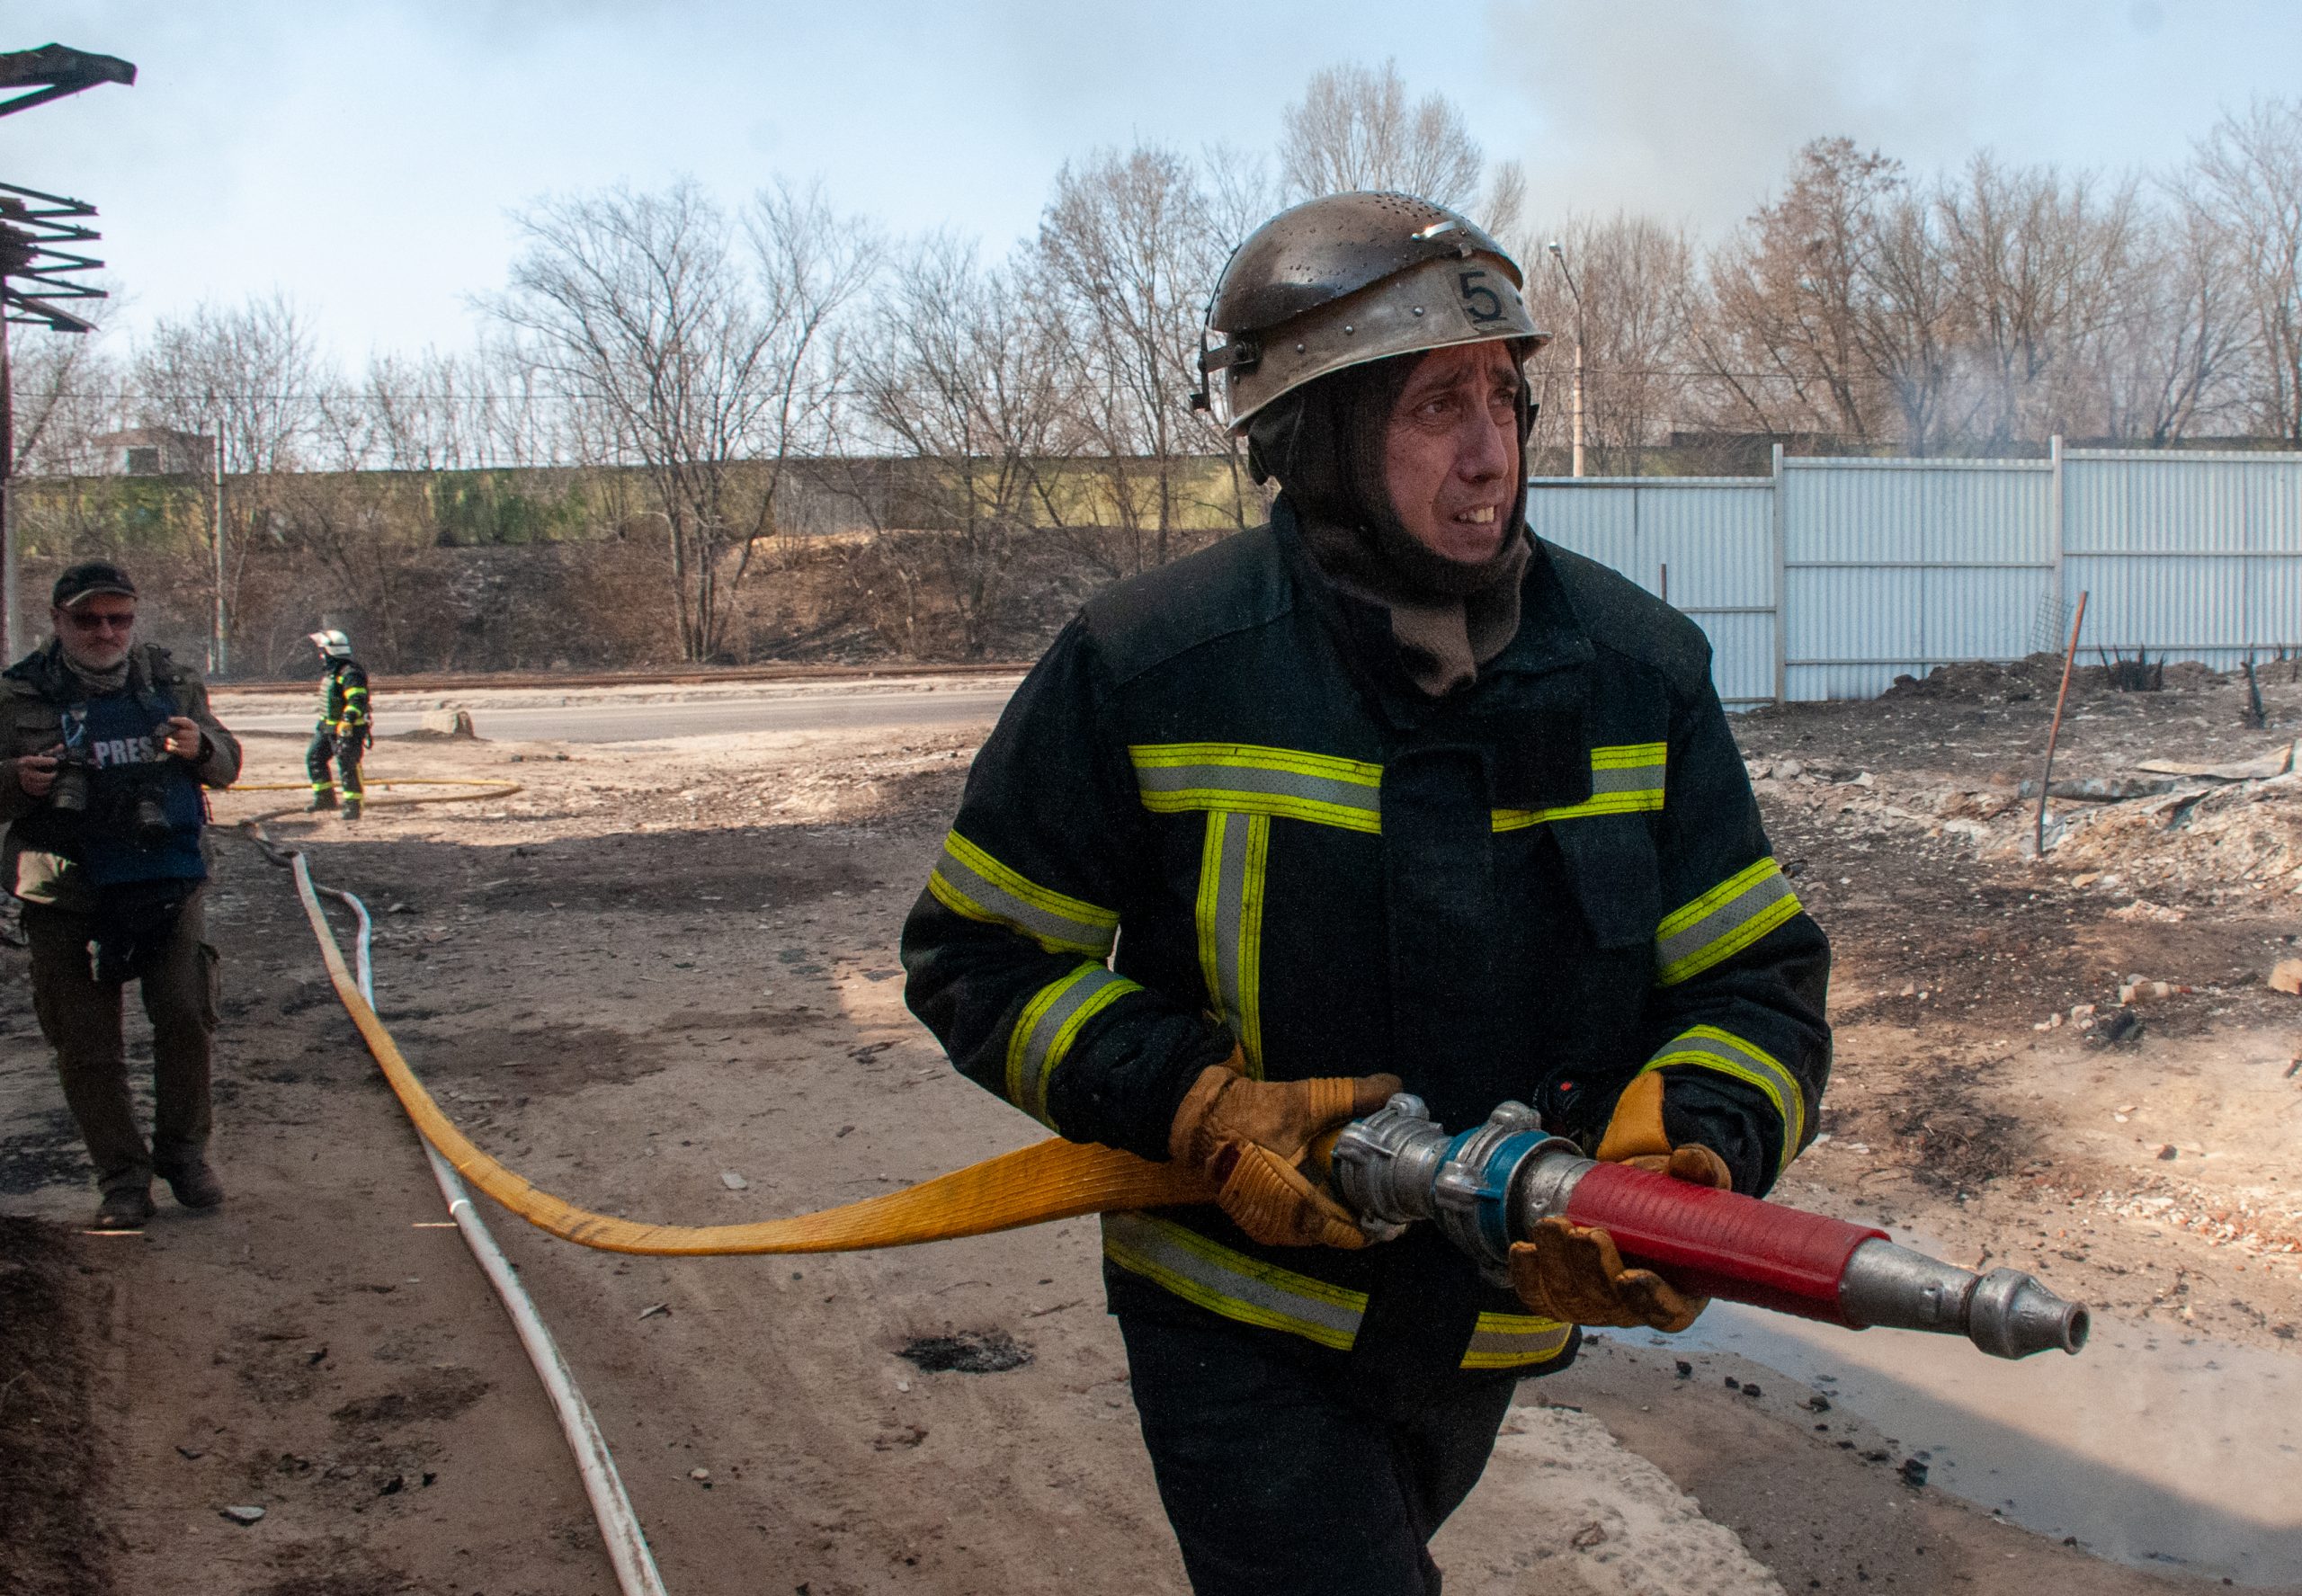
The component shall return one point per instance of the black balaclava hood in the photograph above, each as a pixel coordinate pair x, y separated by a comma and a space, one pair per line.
1324, 444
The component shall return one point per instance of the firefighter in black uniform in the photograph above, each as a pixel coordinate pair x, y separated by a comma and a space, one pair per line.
343, 731
1385, 791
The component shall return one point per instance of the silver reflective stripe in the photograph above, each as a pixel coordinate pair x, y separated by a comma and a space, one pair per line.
968, 881
1230, 925
1252, 780
1706, 1047
1048, 1024
1507, 1341
1723, 922
1173, 778
1231, 1283
1626, 779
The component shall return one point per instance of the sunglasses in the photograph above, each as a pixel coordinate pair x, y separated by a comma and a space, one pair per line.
97, 623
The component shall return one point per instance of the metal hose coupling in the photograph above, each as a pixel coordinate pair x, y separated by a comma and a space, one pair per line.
1490, 1186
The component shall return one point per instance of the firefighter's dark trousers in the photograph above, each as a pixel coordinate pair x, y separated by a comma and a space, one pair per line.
1278, 1484
80, 1016
345, 750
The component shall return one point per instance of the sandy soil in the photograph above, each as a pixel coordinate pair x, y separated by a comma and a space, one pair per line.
662, 965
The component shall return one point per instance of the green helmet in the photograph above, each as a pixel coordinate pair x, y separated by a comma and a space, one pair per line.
1347, 278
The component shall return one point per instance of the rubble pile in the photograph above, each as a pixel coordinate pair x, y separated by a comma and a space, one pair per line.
2208, 842
2209, 838
2259, 1224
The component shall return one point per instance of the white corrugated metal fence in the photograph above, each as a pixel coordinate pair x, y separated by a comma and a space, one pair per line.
1831, 578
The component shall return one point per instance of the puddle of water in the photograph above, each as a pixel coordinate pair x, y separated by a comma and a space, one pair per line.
2152, 1449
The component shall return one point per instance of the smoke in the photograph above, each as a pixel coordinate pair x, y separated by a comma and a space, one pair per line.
1691, 110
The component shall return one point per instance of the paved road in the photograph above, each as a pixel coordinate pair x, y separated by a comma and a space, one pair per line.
613, 721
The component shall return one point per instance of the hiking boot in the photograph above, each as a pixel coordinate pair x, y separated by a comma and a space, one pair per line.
352, 806
195, 1184
124, 1208
322, 800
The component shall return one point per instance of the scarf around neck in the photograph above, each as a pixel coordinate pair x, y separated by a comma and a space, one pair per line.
96, 682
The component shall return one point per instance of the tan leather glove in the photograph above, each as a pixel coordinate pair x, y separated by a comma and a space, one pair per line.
1254, 1137
1635, 1136
1575, 1273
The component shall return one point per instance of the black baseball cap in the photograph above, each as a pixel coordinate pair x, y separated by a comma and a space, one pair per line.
86, 580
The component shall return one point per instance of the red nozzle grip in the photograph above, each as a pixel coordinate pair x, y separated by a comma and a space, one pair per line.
1714, 1243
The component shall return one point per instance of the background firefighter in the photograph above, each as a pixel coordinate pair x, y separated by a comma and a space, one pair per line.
343, 731
1384, 792
104, 746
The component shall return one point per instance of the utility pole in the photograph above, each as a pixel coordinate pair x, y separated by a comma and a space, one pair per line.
217, 648
1559, 256
8, 580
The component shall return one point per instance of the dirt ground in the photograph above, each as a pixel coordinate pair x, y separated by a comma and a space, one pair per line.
662, 966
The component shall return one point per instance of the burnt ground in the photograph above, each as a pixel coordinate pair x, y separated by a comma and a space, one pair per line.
662, 965
53, 1450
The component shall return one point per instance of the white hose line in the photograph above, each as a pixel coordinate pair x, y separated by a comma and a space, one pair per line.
626, 1545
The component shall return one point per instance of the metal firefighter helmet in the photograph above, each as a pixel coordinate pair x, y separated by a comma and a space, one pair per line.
332, 644
1347, 278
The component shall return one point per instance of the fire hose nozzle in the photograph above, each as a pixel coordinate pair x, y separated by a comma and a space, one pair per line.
2005, 1313
1490, 1186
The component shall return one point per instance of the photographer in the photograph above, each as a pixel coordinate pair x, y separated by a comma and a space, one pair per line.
104, 746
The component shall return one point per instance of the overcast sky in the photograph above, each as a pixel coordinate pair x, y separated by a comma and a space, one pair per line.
360, 156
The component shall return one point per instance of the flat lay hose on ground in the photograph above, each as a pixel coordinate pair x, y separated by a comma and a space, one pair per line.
1052, 1180
497, 788
1707, 1240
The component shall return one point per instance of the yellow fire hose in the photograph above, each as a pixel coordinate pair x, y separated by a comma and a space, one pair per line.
1050, 1180
497, 788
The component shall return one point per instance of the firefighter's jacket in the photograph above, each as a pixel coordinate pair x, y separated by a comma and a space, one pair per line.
1216, 813
343, 699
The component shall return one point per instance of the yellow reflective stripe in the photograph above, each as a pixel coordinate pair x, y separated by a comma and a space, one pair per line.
1325, 767
1626, 778
1706, 1047
1230, 1283
1512, 1340
968, 881
1722, 922
1233, 865
1242, 777
1239, 778
1048, 1025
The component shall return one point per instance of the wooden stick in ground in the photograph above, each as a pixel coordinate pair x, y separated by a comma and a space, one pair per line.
2046, 777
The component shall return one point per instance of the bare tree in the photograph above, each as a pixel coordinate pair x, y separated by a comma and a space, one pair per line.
1640, 288
67, 389
251, 375
812, 263
1128, 250
1780, 348
1354, 128
2044, 272
2178, 361
955, 378
636, 313
1240, 192
2245, 176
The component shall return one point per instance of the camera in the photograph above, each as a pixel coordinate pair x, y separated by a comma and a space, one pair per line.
73, 785
136, 809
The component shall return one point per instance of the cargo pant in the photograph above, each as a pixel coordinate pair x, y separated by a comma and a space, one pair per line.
346, 751
80, 1016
